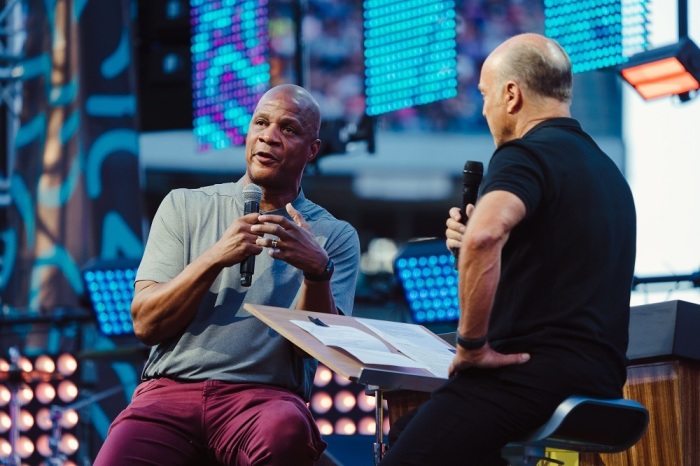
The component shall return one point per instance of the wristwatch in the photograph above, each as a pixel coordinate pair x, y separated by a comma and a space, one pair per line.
471, 343
323, 276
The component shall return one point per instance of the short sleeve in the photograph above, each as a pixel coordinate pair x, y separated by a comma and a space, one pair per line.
515, 170
345, 252
164, 255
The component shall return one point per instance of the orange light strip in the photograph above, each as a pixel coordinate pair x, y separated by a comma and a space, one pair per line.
660, 78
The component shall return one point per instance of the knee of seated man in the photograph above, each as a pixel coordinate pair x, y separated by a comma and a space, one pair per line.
289, 438
291, 426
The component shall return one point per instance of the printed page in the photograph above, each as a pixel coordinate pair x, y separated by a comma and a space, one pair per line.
416, 342
363, 346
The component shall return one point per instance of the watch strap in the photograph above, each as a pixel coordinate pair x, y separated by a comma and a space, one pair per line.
471, 343
324, 276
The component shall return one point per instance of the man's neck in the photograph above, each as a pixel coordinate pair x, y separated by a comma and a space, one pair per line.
551, 110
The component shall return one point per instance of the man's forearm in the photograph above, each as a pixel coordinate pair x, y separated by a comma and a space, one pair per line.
162, 310
317, 297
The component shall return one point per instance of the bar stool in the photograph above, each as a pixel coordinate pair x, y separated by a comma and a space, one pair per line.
582, 424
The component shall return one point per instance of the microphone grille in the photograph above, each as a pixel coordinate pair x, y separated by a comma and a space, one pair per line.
252, 192
473, 172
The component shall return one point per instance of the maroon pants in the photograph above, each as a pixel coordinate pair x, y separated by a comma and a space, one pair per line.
172, 423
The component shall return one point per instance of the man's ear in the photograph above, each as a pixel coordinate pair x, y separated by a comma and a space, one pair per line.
514, 96
315, 146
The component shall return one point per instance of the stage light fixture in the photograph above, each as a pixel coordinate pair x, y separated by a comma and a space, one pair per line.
323, 376
426, 271
366, 403
367, 426
339, 405
324, 426
597, 34
321, 402
5, 422
410, 53
345, 401
30, 388
45, 393
665, 71
109, 286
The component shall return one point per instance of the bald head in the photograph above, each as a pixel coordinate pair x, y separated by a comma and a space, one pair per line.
309, 110
536, 62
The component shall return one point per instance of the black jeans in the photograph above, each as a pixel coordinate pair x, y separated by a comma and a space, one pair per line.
468, 420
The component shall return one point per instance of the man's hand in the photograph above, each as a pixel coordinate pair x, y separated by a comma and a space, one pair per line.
485, 358
455, 228
295, 243
238, 242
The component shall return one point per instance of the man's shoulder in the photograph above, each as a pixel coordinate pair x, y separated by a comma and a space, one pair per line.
314, 212
204, 193
322, 221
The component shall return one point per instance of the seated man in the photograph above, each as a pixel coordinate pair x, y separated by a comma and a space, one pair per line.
219, 386
546, 263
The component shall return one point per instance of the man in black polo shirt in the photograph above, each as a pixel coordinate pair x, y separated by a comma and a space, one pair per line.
545, 270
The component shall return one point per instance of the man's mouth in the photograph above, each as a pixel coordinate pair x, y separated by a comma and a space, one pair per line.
265, 157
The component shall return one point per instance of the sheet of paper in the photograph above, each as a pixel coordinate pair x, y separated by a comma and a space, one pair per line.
365, 347
342, 336
383, 358
415, 342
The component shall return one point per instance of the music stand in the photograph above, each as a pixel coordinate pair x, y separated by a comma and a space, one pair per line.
376, 379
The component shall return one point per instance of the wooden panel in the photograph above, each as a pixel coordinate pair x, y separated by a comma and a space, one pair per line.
400, 402
669, 390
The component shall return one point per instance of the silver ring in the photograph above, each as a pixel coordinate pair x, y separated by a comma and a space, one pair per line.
274, 244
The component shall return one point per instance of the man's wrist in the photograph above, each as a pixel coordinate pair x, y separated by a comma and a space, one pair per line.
471, 344
323, 276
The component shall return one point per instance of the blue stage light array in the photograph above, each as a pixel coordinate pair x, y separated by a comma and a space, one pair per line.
110, 289
230, 68
426, 271
410, 53
597, 34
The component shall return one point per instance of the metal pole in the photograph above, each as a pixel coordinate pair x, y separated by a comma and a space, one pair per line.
15, 383
379, 448
300, 56
682, 19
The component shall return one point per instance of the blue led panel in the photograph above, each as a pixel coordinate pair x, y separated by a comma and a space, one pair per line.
426, 271
410, 53
230, 66
597, 34
110, 289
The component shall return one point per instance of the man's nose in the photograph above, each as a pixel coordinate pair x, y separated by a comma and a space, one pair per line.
270, 134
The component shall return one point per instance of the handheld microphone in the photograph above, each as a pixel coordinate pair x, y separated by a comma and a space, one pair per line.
471, 179
252, 195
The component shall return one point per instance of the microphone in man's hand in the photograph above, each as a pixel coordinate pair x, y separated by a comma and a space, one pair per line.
471, 179
472, 175
252, 195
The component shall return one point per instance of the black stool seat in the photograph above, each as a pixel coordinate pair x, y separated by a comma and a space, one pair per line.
582, 424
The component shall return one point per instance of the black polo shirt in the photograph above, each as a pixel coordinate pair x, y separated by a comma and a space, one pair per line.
567, 268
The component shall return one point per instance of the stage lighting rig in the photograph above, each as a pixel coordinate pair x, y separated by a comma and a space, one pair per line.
426, 271
665, 71
670, 70
109, 288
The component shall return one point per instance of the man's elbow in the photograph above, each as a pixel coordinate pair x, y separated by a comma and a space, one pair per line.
143, 330
485, 239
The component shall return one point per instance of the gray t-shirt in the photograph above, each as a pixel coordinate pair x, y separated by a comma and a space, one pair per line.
224, 341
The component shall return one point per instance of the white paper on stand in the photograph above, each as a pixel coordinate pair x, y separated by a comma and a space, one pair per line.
416, 342
365, 347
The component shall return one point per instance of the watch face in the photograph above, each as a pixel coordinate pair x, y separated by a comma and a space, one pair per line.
329, 268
